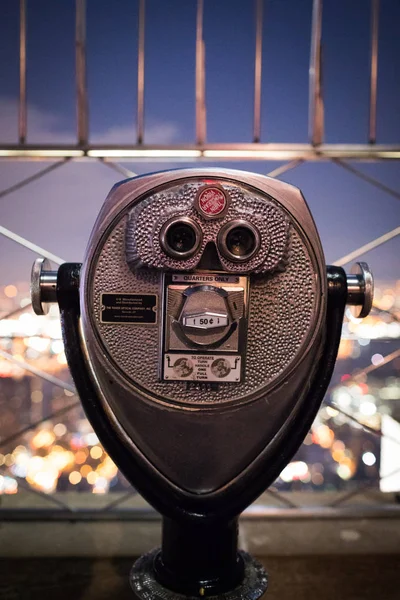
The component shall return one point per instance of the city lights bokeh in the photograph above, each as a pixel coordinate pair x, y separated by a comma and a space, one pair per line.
64, 454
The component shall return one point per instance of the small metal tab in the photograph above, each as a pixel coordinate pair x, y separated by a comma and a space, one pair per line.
43, 286
360, 290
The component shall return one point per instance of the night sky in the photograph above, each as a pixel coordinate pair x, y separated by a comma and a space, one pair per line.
58, 211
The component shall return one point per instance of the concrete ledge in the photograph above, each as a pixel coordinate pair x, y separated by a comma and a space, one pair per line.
261, 537
93, 531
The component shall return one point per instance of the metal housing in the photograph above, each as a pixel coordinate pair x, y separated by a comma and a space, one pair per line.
204, 428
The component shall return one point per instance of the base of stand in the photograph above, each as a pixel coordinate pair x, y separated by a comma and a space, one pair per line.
145, 585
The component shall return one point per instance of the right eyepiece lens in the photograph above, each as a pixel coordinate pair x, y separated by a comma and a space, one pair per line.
240, 241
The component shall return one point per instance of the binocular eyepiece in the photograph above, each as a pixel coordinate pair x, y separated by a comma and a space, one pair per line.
201, 331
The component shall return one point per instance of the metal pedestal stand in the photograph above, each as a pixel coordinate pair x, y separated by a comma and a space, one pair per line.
198, 560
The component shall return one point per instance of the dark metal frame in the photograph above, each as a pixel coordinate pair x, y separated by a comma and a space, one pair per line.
162, 496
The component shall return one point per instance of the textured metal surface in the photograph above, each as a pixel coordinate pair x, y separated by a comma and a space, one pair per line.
146, 587
283, 305
148, 217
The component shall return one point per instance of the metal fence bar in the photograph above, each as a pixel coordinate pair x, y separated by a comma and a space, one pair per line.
140, 81
386, 359
118, 168
23, 483
31, 426
80, 65
374, 70
22, 108
367, 247
214, 152
38, 372
284, 168
388, 311
31, 178
258, 72
16, 311
368, 428
354, 377
374, 182
30, 245
200, 76
120, 500
277, 496
361, 489
359, 373
316, 107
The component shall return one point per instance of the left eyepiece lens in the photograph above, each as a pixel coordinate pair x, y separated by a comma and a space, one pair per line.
180, 237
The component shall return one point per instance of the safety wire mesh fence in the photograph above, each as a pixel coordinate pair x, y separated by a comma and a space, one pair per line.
47, 447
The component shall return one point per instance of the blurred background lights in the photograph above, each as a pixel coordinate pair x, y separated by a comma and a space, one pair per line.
92, 477
57, 346
61, 358
85, 470
75, 477
342, 397
101, 486
36, 396
8, 485
10, 291
64, 454
60, 429
92, 439
369, 459
96, 452
377, 359
344, 471
25, 302
367, 408
43, 438
80, 457
294, 470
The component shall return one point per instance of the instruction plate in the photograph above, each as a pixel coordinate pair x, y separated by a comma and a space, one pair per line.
202, 367
129, 308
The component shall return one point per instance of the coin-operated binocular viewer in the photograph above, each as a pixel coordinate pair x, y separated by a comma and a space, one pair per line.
201, 332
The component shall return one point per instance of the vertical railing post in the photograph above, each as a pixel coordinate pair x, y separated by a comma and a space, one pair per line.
80, 66
22, 109
316, 105
140, 80
258, 72
200, 77
374, 70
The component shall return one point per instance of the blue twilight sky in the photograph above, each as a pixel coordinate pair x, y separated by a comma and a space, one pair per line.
58, 211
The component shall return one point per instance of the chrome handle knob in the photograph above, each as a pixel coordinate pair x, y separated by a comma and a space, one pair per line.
43, 286
360, 290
